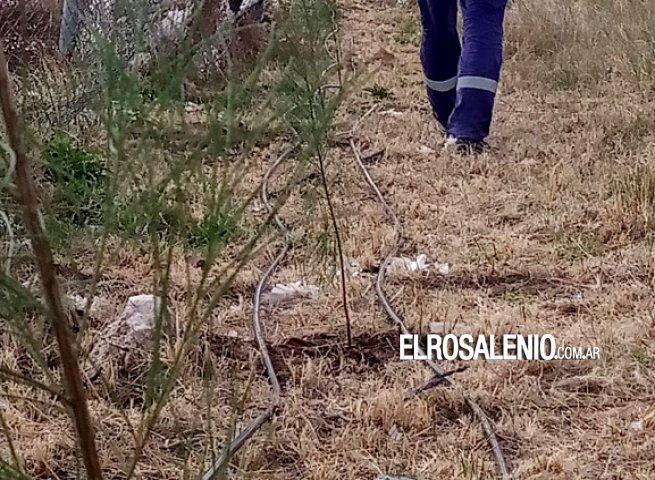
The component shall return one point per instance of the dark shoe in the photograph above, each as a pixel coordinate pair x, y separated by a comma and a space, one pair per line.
463, 146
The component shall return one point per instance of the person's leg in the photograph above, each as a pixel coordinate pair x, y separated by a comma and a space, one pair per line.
479, 69
440, 51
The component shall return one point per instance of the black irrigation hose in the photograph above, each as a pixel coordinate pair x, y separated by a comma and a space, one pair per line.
264, 417
398, 234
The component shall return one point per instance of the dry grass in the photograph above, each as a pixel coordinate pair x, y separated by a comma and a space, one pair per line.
552, 232
31, 35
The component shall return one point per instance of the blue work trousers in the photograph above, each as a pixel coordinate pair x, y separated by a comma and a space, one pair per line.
462, 79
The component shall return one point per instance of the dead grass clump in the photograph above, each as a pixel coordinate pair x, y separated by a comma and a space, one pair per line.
389, 409
632, 207
31, 34
570, 44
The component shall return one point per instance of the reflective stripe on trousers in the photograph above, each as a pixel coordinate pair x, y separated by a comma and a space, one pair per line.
462, 78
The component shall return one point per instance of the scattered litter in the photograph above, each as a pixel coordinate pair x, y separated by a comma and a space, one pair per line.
78, 304
637, 426
191, 107
400, 265
128, 338
33, 284
425, 150
394, 433
257, 207
405, 264
392, 113
647, 423
353, 267
232, 334
173, 25
443, 268
288, 292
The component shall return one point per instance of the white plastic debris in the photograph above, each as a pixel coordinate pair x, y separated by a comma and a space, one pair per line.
127, 338
394, 433
425, 150
288, 292
392, 113
173, 25
191, 107
405, 265
353, 267
33, 284
636, 426
78, 303
442, 268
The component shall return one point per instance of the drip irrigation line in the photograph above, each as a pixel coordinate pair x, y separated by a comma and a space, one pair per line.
439, 372
440, 375
245, 434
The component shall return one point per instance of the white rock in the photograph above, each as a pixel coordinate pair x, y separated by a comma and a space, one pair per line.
399, 265
128, 338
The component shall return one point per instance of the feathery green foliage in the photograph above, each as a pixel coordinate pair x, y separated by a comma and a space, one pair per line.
156, 177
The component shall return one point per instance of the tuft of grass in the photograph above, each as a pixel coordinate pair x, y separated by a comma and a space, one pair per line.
215, 227
78, 178
380, 93
410, 31
581, 246
633, 193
